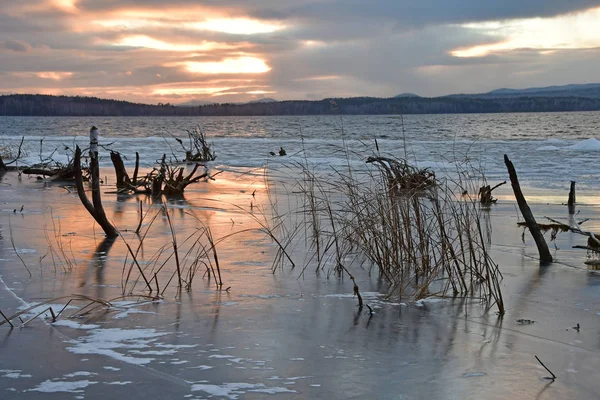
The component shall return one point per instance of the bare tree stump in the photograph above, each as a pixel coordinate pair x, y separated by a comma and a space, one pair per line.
545, 256
95, 208
571, 203
120, 171
158, 181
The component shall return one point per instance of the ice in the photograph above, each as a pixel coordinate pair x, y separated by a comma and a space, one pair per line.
591, 144
106, 342
79, 373
201, 367
74, 324
422, 302
13, 374
51, 386
233, 390
547, 148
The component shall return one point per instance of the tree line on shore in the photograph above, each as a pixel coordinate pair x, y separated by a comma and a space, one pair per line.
46, 105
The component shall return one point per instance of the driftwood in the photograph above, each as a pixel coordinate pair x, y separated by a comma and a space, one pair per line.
60, 173
165, 179
545, 256
593, 239
95, 208
199, 149
485, 194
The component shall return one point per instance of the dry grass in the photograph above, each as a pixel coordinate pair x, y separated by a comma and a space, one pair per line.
417, 232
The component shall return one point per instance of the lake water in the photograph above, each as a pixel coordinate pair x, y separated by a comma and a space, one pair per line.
548, 149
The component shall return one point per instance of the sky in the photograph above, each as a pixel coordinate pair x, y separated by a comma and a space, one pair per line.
181, 51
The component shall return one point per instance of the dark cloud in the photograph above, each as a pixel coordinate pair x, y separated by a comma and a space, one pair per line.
16, 45
409, 12
328, 48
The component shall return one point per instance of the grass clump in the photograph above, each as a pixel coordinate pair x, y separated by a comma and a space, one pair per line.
419, 233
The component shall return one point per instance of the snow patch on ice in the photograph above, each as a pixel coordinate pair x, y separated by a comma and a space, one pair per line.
201, 367
422, 302
591, 144
13, 374
79, 373
220, 356
106, 342
547, 148
233, 390
74, 324
26, 251
51, 386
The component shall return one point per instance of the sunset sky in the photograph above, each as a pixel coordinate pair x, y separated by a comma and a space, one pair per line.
238, 50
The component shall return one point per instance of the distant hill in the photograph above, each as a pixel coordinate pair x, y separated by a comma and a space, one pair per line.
264, 100
589, 90
402, 95
557, 98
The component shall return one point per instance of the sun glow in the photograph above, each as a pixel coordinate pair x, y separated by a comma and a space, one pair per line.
237, 26
69, 6
571, 31
56, 76
239, 65
188, 91
155, 44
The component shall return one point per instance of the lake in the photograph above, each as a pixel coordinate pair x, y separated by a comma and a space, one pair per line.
548, 149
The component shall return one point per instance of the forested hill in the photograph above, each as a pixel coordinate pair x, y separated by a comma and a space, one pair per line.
43, 105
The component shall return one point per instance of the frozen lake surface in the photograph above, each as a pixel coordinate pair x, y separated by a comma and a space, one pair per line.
286, 334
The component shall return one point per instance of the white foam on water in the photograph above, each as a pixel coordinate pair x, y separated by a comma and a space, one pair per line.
120, 383
111, 368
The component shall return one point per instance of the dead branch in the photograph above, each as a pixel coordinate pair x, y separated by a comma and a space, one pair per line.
545, 256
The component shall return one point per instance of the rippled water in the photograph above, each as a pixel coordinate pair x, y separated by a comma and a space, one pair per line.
548, 149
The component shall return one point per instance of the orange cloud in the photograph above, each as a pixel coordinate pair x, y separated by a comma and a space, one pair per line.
237, 26
156, 44
57, 76
238, 65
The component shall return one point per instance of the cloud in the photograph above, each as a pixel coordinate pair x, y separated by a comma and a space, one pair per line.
16, 45
142, 50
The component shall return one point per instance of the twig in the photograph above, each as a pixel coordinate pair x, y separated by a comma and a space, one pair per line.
551, 373
12, 241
